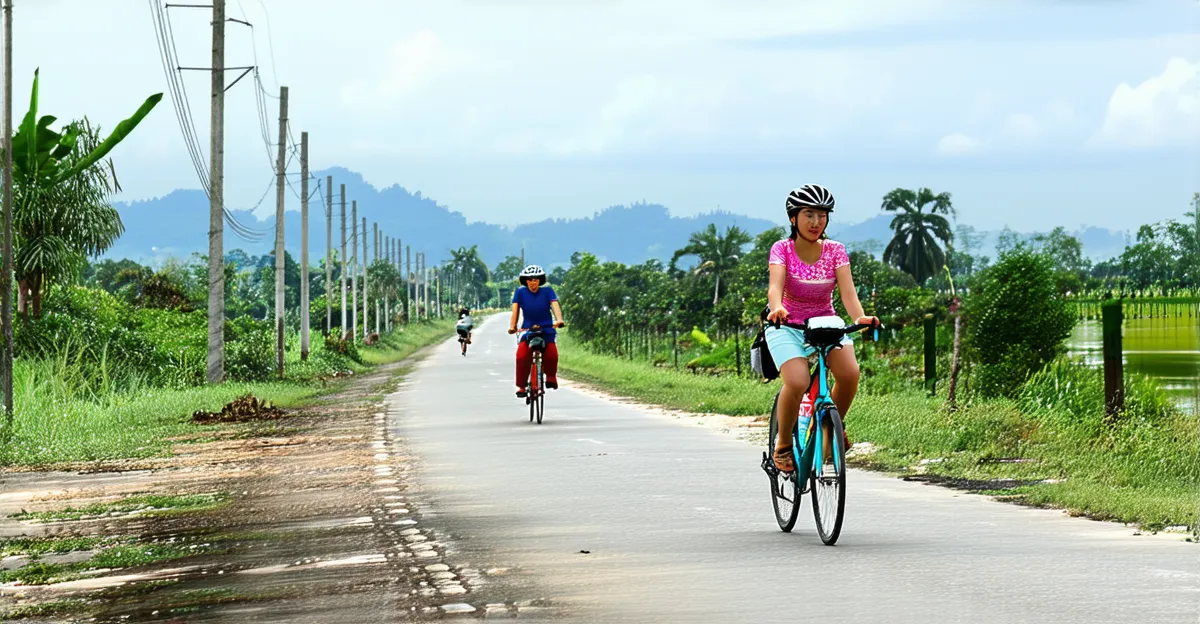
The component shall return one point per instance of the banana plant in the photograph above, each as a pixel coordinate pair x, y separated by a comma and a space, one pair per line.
40, 154
59, 214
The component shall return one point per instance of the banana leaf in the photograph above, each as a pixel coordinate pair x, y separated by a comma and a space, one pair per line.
122, 130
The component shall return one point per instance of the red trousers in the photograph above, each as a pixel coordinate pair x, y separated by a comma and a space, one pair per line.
525, 362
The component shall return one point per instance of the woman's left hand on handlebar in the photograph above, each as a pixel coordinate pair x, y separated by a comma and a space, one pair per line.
560, 324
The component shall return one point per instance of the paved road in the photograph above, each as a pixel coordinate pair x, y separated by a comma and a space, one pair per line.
679, 526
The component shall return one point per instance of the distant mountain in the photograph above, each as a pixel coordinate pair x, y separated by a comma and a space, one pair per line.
177, 225
874, 234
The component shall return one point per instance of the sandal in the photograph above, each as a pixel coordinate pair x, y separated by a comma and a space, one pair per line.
784, 462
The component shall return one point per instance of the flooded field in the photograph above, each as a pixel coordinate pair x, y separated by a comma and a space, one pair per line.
1164, 347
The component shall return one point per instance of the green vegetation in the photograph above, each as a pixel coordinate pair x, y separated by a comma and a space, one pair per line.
43, 609
61, 188
69, 408
1049, 447
1018, 324
125, 556
1028, 423
37, 546
148, 505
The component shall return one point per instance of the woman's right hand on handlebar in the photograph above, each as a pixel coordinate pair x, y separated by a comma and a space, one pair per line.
512, 330
778, 315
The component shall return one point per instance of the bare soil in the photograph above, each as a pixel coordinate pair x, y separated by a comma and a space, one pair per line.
320, 526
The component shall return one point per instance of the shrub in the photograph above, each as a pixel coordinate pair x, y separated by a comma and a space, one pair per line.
249, 349
179, 346
1017, 321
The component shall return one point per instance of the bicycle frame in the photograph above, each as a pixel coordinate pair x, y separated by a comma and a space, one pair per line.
805, 450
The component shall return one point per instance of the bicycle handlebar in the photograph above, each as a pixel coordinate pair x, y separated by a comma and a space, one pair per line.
845, 330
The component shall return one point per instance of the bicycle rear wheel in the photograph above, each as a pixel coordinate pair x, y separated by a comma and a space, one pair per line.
541, 395
829, 479
785, 495
532, 390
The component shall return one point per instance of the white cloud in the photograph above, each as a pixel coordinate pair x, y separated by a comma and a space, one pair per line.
958, 144
1023, 127
408, 66
1161, 111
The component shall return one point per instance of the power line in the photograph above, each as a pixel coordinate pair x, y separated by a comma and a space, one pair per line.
165, 35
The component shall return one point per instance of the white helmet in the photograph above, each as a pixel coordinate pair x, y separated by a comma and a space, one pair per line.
809, 196
532, 271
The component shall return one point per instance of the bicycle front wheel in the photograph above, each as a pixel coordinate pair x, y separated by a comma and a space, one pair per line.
828, 476
785, 494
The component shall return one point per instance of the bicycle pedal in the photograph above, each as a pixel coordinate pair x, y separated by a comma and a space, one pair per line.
768, 465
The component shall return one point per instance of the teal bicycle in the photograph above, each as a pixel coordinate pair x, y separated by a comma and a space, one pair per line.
820, 468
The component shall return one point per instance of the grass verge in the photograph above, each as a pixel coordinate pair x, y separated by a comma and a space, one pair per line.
1139, 472
127, 556
51, 427
148, 505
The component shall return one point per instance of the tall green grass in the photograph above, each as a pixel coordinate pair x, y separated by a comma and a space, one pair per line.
70, 409
59, 418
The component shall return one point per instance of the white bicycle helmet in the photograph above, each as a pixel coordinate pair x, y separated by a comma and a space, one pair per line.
809, 196
532, 271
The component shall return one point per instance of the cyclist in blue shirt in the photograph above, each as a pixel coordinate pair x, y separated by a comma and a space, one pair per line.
538, 304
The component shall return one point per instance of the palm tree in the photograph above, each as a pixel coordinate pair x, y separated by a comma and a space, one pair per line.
718, 254
60, 190
57, 228
469, 271
915, 247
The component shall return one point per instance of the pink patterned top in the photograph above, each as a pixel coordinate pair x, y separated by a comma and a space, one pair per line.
808, 290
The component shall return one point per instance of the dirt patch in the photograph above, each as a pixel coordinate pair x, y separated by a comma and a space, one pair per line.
973, 485
242, 409
318, 525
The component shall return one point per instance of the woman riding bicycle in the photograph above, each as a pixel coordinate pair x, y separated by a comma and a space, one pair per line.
804, 268
465, 324
539, 305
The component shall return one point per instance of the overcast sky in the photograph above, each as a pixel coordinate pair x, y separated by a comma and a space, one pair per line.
1031, 113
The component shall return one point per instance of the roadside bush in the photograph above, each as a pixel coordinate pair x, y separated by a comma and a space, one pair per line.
249, 349
179, 346
1017, 322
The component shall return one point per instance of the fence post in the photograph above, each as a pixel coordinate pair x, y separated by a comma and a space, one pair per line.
675, 344
930, 353
1114, 377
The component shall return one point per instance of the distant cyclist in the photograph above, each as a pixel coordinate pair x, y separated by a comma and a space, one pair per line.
464, 326
804, 269
538, 304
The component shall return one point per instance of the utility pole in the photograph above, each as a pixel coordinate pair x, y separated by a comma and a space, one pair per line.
216, 195
304, 246
354, 270
329, 254
403, 300
366, 261
387, 316
375, 229
6, 280
280, 264
408, 285
437, 272
342, 311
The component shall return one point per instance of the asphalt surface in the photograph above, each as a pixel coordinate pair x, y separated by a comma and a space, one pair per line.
678, 525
